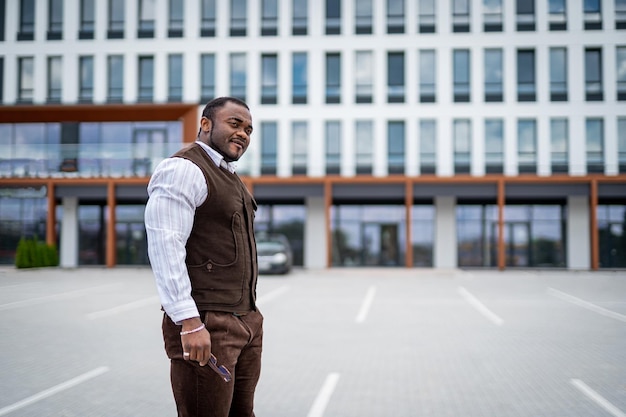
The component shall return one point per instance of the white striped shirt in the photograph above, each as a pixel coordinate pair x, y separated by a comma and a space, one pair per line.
177, 187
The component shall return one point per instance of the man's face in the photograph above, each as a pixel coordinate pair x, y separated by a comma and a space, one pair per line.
230, 131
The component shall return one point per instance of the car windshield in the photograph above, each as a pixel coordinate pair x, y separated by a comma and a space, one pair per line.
269, 246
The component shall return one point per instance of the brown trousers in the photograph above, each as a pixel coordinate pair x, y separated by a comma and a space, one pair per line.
236, 342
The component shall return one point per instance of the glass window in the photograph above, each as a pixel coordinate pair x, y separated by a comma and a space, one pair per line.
527, 146
395, 16
558, 74
593, 74
426, 18
269, 18
146, 78
427, 76
238, 75
300, 76
85, 89
207, 18
299, 148
207, 77
333, 147
364, 139
612, 235
558, 145
269, 148
238, 17
460, 15
269, 79
525, 15
363, 17
395, 147
25, 82
494, 146
595, 144
364, 76
620, 71
492, 15
55, 19
115, 76
300, 17
55, 78
333, 78
621, 144
428, 146
494, 88
145, 27
333, 17
395, 77
462, 137
423, 235
593, 14
461, 74
477, 233
175, 77
177, 19
557, 14
27, 21
1, 79
620, 14
116, 19
526, 90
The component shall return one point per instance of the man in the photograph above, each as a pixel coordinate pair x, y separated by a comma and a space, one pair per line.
199, 223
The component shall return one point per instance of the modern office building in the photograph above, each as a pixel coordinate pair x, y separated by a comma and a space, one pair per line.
406, 133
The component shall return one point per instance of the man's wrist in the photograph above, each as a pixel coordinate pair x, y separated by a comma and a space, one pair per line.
191, 323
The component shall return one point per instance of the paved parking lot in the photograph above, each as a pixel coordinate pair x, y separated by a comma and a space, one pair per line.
338, 343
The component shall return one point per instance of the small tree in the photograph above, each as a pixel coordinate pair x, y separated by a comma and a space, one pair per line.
33, 253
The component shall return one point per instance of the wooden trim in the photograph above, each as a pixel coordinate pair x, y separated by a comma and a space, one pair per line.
593, 225
51, 216
110, 226
501, 245
408, 206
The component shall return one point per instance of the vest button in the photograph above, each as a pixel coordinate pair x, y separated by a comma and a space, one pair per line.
209, 267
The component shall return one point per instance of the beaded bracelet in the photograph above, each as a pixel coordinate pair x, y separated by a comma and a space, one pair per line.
197, 329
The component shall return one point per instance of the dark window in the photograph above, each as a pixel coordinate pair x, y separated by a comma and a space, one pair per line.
595, 144
1, 79
300, 17
395, 77
87, 19
177, 20
207, 77
146, 23
593, 75
146, 79
364, 146
462, 136
299, 80
593, 14
333, 17
395, 147
427, 18
27, 21
269, 148
461, 74
238, 17
175, 77
525, 15
364, 77
621, 145
333, 78
85, 82
494, 146
460, 16
427, 76
492, 15
115, 76
25, 82
558, 74
2, 18
207, 18
116, 19
269, 79
269, 18
363, 17
620, 58
428, 146
395, 16
620, 14
527, 146
238, 78
526, 90
55, 77
55, 20
557, 16
559, 145
494, 89
333, 147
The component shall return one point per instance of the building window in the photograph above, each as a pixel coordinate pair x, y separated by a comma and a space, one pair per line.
269, 18
300, 17
462, 137
207, 77
559, 134
269, 148
363, 17
2, 19
494, 146
55, 20
364, 140
593, 74
238, 17
620, 71
1, 79
177, 19
25, 82
611, 235
428, 146
175, 77
427, 76
299, 150
395, 77
527, 146
300, 76
333, 78
621, 144
557, 14
395, 16
461, 75
525, 10
146, 78
595, 144
620, 14
207, 18
422, 239
395, 147
558, 74
115, 77
477, 235
333, 17
55, 79
333, 147
116, 19
85, 82
145, 25
269, 79
27, 21
492, 15
426, 18
494, 88
460, 16
593, 14
238, 75
526, 90
364, 77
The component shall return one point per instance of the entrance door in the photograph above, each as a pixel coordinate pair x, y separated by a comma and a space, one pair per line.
517, 240
380, 245
132, 244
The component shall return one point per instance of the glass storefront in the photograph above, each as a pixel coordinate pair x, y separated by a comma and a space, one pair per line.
422, 234
612, 235
287, 220
132, 243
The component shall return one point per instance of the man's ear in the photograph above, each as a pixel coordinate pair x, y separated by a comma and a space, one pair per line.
205, 125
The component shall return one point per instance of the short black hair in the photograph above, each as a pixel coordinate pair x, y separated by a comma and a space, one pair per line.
216, 103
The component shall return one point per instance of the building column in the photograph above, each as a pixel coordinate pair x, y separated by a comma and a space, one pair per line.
578, 243
315, 251
69, 233
445, 250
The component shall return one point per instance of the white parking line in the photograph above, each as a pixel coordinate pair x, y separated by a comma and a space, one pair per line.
54, 390
587, 305
597, 398
323, 397
123, 308
272, 294
59, 296
482, 309
366, 304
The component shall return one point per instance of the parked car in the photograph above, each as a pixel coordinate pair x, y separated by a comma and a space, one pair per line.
273, 253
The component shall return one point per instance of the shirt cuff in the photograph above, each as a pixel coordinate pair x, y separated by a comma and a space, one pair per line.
181, 311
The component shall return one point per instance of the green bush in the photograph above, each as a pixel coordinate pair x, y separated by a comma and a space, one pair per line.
33, 253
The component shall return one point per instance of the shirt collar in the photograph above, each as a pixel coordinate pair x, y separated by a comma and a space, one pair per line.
217, 158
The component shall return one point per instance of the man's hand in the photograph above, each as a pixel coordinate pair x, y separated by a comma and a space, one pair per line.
196, 345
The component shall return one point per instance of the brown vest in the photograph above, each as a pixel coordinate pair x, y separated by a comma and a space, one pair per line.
221, 250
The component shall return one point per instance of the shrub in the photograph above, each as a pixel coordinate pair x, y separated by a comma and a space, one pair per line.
33, 253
